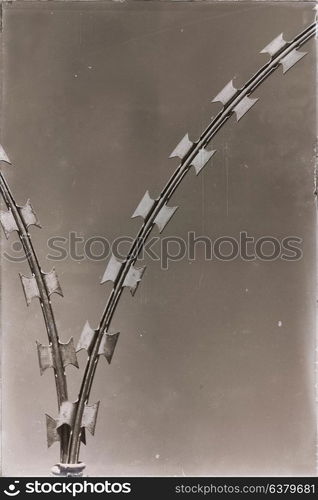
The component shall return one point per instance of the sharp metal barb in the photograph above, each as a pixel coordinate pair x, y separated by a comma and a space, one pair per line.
68, 353
52, 282
226, 94
202, 159
112, 270
274, 46
30, 288
133, 278
28, 215
86, 339
51, 431
244, 106
45, 357
164, 217
291, 59
144, 207
90, 416
182, 149
108, 345
8, 222
45, 354
4, 156
67, 414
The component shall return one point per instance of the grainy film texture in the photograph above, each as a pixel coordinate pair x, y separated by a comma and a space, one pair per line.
208, 366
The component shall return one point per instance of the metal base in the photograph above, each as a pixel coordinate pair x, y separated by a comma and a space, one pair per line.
68, 470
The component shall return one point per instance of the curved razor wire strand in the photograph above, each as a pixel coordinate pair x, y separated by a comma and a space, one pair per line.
40, 285
156, 212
